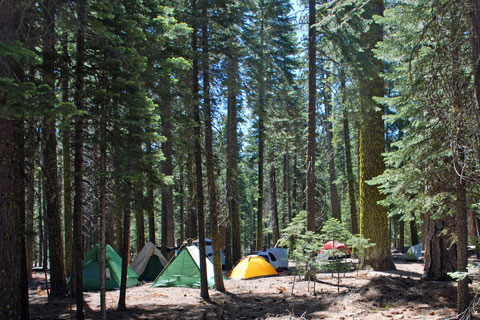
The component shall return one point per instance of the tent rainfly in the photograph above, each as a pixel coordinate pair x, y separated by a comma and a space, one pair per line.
252, 267
413, 253
148, 263
184, 270
113, 265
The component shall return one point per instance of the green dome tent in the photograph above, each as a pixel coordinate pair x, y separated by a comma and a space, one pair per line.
184, 270
113, 265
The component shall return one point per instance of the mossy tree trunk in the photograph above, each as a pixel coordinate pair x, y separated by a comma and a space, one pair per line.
373, 217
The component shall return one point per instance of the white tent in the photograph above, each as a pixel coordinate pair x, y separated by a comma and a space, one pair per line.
149, 262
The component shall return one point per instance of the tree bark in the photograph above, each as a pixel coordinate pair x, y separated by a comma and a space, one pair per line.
139, 214
57, 268
79, 162
30, 151
125, 252
210, 161
232, 164
198, 159
334, 199
312, 92
373, 217
181, 201
103, 211
273, 190
168, 226
13, 269
151, 205
461, 231
261, 140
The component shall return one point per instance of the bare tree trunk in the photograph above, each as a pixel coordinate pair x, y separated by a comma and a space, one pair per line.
182, 203
198, 160
125, 253
191, 228
334, 199
151, 206
168, 226
235, 250
57, 267
78, 162
273, 190
312, 91
139, 215
30, 151
103, 211
212, 187
461, 232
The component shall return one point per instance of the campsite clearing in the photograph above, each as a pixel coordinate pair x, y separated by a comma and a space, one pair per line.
373, 295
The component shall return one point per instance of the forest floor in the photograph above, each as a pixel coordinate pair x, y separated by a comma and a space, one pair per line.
397, 294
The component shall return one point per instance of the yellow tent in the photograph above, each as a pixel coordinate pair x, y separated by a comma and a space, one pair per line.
251, 267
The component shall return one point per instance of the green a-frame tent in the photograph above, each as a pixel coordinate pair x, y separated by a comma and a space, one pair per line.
184, 270
113, 265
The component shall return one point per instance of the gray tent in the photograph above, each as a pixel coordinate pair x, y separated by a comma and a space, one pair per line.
414, 253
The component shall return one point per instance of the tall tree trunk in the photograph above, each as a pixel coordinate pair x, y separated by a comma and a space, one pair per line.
373, 217
273, 190
67, 161
198, 159
13, 269
139, 215
13, 266
348, 157
334, 200
168, 227
40, 220
401, 236
414, 231
57, 268
461, 231
151, 205
212, 187
125, 252
118, 214
350, 177
312, 92
103, 211
181, 201
192, 228
232, 163
261, 140
30, 152
78, 162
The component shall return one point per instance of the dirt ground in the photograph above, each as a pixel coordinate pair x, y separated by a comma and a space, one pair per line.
399, 294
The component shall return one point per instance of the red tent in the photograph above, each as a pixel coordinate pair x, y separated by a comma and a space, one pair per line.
335, 245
